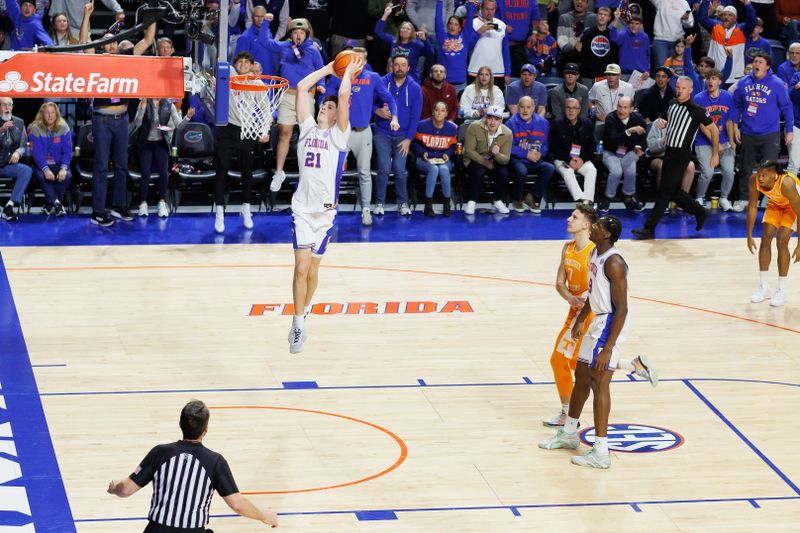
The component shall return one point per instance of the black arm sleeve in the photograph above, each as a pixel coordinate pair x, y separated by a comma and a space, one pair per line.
147, 468
224, 483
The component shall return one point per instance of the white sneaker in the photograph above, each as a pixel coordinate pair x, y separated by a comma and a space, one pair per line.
557, 421
379, 209
405, 210
469, 209
779, 298
592, 459
277, 181
740, 205
700, 201
219, 220
163, 210
561, 440
725, 204
142, 209
366, 217
297, 337
247, 217
500, 207
761, 294
645, 369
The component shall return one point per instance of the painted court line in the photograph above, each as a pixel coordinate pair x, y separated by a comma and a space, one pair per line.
513, 509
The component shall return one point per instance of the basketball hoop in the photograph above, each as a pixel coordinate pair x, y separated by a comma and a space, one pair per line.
256, 97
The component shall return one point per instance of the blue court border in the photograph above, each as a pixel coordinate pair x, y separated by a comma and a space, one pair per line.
41, 477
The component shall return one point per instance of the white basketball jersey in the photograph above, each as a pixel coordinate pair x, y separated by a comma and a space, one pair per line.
320, 155
599, 285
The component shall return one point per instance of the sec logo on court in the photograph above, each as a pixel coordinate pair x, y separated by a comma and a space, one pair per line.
636, 438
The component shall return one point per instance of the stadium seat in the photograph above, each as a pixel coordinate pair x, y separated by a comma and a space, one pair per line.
195, 162
778, 53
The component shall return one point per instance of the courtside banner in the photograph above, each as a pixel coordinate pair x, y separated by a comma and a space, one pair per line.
32, 74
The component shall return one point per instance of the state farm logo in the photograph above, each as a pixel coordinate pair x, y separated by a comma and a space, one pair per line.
13, 82
46, 82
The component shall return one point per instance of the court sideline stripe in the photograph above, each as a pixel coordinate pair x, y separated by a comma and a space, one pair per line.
510, 508
741, 435
39, 489
386, 269
526, 381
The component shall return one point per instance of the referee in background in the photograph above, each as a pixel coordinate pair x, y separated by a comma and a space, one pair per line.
185, 475
683, 117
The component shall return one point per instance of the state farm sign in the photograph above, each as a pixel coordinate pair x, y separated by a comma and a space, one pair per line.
29, 74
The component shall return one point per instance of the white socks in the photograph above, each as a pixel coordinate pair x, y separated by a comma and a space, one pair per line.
306, 310
571, 425
782, 282
626, 364
299, 321
565, 408
601, 445
763, 275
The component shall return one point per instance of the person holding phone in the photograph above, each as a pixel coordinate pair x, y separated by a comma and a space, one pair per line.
491, 49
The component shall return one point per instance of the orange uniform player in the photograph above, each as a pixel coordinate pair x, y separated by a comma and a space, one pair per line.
780, 218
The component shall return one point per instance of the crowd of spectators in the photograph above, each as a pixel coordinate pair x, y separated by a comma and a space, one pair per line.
515, 92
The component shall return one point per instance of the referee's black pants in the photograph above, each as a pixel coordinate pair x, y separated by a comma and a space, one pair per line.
231, 144
675, 163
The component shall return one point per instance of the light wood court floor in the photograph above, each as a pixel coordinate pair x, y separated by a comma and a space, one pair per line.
431, 418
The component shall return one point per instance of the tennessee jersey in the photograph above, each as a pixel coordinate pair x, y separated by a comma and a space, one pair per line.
775, 195
576, 265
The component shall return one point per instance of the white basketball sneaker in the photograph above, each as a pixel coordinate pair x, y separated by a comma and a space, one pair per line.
247, 217
740, 205
405, 210
557, 421
593, 459
366, 217
379, 209
163, 209
469, 209
277, 181
779, 298
725, 204
219, 220
644, 369
761, 294
561, 440
142, 209
297, 337
500, 207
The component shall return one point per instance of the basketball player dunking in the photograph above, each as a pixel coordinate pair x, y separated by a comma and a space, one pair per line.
572, 284
608, 300
321, 153
783, 207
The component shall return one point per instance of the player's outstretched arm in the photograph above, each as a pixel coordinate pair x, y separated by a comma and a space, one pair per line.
789, 190
303, 105
343, 107
752, 211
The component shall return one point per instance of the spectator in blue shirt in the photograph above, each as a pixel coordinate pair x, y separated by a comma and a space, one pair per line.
454, 44
527, 86
529, 147
791, 66
28, 30
794, 148
414, 44
634, 46
51, 147
521, 18
756, 43
434, 145
543, 49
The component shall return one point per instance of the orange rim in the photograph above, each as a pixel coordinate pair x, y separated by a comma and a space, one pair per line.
240, 83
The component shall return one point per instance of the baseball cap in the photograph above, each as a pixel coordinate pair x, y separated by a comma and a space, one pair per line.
494, 111
32, 2
530, 68
349, 44
572, 67
613, 68
731, 10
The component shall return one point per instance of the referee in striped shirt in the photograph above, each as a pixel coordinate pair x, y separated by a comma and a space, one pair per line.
683, 117
185, 475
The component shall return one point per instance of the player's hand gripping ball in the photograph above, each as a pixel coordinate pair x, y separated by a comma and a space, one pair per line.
341, 61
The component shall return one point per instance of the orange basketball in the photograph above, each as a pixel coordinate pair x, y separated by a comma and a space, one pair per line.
341, 61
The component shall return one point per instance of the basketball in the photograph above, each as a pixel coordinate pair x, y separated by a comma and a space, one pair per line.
341, 61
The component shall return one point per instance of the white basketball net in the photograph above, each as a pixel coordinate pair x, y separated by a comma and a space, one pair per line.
255, 108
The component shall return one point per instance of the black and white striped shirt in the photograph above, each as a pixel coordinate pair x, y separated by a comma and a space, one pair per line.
683, 119
185, 476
